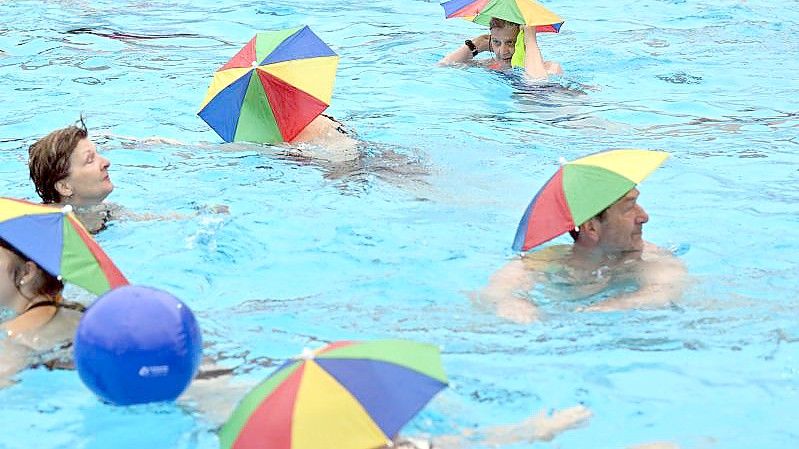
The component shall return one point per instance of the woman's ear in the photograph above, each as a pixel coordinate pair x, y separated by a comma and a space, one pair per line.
63, 188
28, 273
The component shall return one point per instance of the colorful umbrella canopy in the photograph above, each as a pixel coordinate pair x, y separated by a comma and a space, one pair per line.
272, 88
581, 189
59, 244
523, 12
348, 395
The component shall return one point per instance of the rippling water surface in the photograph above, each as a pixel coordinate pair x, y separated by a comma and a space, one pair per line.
391, 245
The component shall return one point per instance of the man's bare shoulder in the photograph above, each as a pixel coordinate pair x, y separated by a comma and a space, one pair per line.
652, 252
546, 258
661, 265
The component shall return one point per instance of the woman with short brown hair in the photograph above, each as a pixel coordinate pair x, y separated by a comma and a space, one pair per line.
66, 168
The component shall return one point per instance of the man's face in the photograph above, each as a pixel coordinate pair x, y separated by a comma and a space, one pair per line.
621, 228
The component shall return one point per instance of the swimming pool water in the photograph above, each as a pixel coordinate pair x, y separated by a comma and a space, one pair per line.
392, 245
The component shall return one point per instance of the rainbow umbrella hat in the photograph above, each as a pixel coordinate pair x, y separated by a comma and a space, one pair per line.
523, 12
272, 88
581, 189
59, 244
348, 395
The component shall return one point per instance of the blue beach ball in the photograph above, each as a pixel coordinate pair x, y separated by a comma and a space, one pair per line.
136, 345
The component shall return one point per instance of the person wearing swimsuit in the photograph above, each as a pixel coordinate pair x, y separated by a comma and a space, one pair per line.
501, 40
42, 322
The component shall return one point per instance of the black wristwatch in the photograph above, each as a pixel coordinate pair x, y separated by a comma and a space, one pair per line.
472, 47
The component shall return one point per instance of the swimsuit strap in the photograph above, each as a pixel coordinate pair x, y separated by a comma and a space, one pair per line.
41, 304
52, 302
340, 128
330, 117
72, 306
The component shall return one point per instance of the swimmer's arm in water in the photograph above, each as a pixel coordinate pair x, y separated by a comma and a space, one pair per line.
656, 445
126, 214
138, 141
95, 218
501, 293
662, 281
534, 64
539, 427
216, 398
215, 392
464, 54
13, 359
322, 132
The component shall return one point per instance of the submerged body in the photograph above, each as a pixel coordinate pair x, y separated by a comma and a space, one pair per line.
326, 138
609, 255
41, 323
655, 279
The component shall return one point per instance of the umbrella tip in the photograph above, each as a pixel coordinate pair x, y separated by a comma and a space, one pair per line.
254, 64
66, 209
562, 160
307, 354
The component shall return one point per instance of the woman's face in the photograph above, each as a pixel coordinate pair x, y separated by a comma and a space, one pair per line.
503, 43
88, 179
8, 286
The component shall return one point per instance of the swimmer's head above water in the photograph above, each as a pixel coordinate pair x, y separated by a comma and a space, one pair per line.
23, 283
618, 229
502, 40
66, 168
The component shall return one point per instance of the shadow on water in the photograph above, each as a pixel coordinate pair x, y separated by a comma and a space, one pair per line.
560, 103
394, 165
132, 38
111, 34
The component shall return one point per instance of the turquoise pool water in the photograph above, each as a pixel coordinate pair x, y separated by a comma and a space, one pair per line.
391, 245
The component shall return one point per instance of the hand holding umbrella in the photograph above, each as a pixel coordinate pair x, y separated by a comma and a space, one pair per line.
522, 12
512, 24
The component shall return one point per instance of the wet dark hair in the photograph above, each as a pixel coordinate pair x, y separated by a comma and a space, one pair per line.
501, 23
600, 216
48, 159
49, 286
